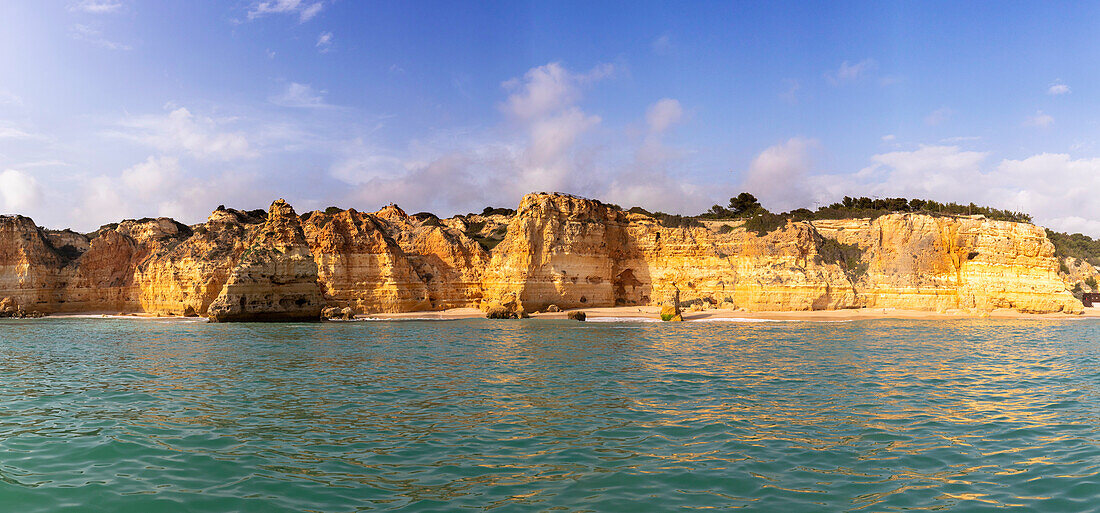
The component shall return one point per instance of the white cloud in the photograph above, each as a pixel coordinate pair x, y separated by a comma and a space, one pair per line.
305, 10
93, 35
19, 191
1052, 187
153, 176
1040, 119
938, 116
161, 186
300, 95
9, 131
96, 6
9, 98
849, 72
552, 145
889, 138
663, 114
182, 132
778, 174
1058, 89
324, 42
548, 88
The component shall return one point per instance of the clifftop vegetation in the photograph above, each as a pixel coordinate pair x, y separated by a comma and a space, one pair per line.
1079, 246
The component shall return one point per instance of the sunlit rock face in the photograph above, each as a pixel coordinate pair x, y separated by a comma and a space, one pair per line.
573, 252
276, 277
556, 250
30, 267
189, 277
447, 261
922, 262
360, 266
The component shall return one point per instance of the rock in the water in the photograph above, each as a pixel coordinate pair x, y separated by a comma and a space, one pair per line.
276, 279
330, 312
499, 312
8, 307
576, 315
670, 313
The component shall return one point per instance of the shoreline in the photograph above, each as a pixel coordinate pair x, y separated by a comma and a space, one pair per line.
652, 313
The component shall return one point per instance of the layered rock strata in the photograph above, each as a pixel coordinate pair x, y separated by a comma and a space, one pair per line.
276, 278
555, 251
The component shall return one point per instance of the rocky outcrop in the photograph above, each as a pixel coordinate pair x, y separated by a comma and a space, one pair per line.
575, 252
555, 252
360, 266
188, 278
448, 261
276, 277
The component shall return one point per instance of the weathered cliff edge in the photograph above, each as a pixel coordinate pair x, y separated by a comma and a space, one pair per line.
557, 250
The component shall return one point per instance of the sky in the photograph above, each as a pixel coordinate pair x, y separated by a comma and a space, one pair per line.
113, 109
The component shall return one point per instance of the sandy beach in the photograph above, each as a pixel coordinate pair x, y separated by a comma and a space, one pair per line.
653, 312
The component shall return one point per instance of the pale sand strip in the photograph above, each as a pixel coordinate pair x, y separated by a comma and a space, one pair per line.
653, 312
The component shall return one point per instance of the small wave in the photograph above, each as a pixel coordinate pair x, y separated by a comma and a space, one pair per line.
129, 317
622, 319
746, 319
377, 319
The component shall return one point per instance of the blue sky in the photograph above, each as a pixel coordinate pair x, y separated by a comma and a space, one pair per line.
123, 108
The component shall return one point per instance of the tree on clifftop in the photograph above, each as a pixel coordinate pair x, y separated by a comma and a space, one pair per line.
744, 203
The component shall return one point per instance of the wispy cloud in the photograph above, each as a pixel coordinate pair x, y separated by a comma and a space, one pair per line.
11, 131
19, 191
790, 93
851, 72
305, 10
96, 6
301, 96
938, 116
324, 42
1040, 119
182, 132
1058, 89
662, 45
95, 36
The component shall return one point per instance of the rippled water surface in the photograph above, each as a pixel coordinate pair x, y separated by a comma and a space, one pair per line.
148, 416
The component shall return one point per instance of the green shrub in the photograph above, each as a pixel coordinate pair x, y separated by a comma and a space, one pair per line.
1091, 282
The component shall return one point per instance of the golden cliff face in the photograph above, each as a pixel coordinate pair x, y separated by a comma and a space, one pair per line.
276, 277
556, 250
447, 261
922, 262
572, 252
189, 277
360, 266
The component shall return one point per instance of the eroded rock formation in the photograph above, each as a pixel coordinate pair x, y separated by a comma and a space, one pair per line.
555, 251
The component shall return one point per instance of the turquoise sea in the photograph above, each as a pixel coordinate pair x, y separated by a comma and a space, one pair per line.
153, 416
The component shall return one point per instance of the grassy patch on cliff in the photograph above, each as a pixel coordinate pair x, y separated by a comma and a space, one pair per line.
848, 256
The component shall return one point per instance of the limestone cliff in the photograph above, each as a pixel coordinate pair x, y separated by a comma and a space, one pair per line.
360, 266
187, 279
276, 277
555, 250
573, 252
